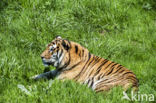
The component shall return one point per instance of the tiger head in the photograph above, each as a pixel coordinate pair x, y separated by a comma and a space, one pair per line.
56, 53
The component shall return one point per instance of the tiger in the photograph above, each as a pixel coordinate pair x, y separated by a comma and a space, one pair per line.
75, 62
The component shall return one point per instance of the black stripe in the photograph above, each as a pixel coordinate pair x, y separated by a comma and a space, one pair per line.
112, 68
57, 52
105, 68
132, 78
66, 63
91, 73
76, 49
68, 43
88, 81
110, 71
129, 72
65, 45
92, 82
89, 56
94, 64
82, 52
96, 61
104, 62
61, 53
114, 80
100, 67
122, 71
114, 65
74, 65
101, 85
102, 76
118, 66
91, 60
109, 65
99, 77
118, 69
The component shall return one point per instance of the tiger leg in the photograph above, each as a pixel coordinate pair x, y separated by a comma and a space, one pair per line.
46, 75
102, 88
105, 84
127, 84
106, 87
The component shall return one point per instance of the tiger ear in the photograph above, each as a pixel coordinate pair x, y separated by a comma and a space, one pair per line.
58, 37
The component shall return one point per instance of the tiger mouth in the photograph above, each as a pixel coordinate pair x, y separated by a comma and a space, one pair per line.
46, 64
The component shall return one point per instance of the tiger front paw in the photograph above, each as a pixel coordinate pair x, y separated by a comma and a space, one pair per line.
35, 77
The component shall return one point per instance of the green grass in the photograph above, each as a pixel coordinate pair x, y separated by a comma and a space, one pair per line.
121, 31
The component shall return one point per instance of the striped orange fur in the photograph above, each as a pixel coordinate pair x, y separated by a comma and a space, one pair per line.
74, 62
